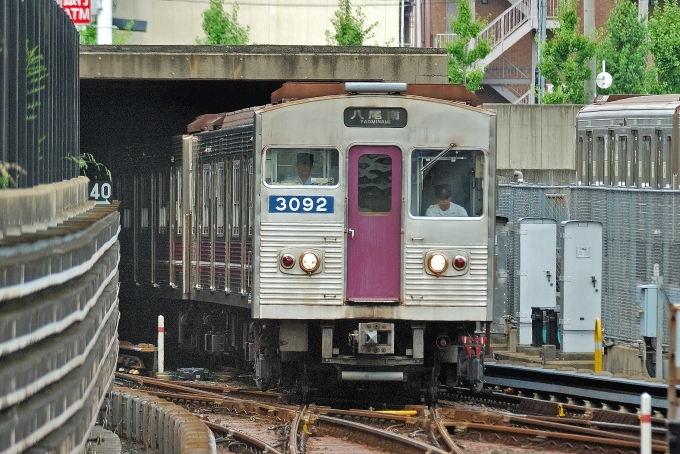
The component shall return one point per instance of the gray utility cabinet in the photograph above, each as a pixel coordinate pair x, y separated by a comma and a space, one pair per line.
581, 284
537, 271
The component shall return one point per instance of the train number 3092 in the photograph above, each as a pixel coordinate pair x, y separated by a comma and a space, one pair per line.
297, 204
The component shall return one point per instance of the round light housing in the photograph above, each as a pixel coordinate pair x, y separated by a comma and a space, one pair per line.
459, 262
287, 261
309, 262
437, 263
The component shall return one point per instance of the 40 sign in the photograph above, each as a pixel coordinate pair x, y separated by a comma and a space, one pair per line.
79, 10
100, 192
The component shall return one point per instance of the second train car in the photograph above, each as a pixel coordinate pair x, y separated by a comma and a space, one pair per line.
354, 221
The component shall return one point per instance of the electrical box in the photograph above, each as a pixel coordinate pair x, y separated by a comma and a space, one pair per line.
537, 271
648, 297
500, 295
581, 284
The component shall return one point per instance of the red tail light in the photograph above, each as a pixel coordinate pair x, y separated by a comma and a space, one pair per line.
287, 261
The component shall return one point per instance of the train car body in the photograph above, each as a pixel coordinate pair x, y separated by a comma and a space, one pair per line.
356, 227
630, 142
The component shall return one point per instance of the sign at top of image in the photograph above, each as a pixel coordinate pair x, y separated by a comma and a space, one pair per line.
79, 10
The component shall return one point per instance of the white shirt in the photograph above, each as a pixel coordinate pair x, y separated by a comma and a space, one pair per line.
453, 211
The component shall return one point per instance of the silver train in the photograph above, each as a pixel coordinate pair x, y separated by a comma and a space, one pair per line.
630, 142
355, 224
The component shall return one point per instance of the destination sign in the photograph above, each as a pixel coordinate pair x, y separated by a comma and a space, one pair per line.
375, 117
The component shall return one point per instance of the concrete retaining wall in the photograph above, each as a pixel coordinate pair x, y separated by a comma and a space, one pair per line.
159, 425
46, 205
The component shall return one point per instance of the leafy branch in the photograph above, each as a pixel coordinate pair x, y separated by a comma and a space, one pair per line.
85, 160
36, 72
5, 178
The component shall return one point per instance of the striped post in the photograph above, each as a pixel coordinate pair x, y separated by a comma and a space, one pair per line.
161, 344
646, 424
598, 346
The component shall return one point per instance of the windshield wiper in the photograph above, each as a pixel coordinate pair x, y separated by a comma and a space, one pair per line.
436, 158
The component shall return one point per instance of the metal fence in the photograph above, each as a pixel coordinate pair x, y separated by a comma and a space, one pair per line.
39, 94
640, 228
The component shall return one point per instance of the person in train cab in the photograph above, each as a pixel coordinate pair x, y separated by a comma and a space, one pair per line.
305, 162
444, 206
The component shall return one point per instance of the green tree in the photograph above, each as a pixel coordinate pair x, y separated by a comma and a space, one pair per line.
664, 33
624, 49
349, 27
88, 34
463, 66
565, 59
222, 28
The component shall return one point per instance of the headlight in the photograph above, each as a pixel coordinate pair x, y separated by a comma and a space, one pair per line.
309, 262
437, 263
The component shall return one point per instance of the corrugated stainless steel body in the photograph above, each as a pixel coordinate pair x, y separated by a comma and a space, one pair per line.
632, 142
432, 124
39, 91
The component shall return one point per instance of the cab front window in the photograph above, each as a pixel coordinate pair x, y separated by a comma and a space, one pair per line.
447, 183
301, 166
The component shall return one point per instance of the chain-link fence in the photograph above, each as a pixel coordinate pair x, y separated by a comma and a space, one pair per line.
640, 228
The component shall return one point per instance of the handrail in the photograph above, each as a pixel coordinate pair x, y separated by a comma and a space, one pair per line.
511, 19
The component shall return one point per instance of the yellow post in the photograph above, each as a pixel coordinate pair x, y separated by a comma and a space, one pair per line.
598, 346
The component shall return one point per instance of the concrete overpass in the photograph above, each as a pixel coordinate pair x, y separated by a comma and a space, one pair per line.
135, 98
264, 63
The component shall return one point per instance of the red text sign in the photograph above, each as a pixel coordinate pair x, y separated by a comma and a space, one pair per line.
79, 10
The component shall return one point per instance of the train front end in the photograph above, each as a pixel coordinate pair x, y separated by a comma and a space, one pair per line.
373, 241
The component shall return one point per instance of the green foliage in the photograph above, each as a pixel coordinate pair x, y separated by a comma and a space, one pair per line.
85, 160
349, 28
462, 59
665, 47
5, 178
624, 49
36, 73
565, 59
222, 28
88, 34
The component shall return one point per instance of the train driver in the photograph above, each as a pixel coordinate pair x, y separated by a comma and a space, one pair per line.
305, 162
444, 206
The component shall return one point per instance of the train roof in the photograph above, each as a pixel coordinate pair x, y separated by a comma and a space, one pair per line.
296, 91
631, 103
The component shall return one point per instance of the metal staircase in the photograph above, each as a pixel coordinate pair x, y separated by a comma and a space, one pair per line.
513, 83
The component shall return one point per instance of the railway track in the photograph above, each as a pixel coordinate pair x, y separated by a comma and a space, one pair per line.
263, 422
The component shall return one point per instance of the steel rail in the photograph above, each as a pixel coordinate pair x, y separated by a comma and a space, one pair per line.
245, 438
414, 445
586, 439
443, 432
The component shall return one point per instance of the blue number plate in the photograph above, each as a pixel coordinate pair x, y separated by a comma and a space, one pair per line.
298, 204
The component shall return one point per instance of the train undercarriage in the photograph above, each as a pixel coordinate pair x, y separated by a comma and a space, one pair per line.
324, 356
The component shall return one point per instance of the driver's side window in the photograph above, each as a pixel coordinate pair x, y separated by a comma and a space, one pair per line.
447, 183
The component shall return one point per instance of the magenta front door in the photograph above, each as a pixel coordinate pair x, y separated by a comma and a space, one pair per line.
374, 224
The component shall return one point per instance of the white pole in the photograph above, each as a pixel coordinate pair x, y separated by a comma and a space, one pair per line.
646, 424
403, 25
419, 25
105, 23
161, 344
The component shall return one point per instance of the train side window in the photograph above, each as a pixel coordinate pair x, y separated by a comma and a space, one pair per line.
219, 198
447, 183
301, 166
178, 210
